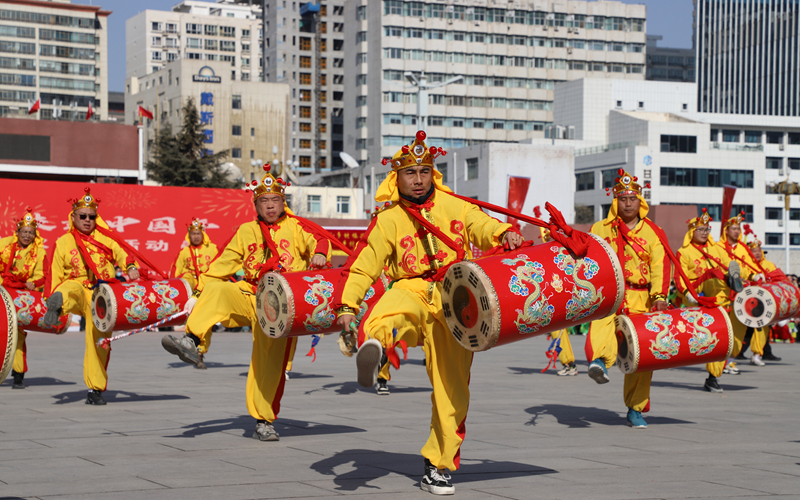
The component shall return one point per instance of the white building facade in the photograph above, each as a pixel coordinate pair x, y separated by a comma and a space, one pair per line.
55, 51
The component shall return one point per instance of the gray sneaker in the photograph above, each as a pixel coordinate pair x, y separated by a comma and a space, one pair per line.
265, 432
182, 347
735, 277
54, 304
200, 364
368, 363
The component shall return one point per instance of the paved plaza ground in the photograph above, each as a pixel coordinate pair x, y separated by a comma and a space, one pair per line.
170, 431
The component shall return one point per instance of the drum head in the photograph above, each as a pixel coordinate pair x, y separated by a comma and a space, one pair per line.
8, 333
104, 309
274, 305
470, 306
628, 350
754, 307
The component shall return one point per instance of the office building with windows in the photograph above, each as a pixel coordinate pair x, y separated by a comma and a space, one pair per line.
249, 119
650, 130
506, 58
668, 64
55, 51
748, 54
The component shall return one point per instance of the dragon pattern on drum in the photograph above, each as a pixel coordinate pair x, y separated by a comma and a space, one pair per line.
126, 306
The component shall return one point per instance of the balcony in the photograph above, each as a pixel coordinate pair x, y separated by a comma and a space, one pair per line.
726, 146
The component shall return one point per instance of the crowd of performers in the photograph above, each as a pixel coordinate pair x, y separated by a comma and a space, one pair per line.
420, 229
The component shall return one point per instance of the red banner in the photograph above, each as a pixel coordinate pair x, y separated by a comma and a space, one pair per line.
727, 202
517, 192
151, 219
347, 235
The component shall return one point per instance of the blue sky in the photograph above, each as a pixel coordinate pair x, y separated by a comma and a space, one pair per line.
671, 19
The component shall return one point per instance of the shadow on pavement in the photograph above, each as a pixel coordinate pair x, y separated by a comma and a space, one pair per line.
699, 385
369, 465
245, 423
525, 371
347, 388
115, 397
582, 416
209, 364
297, 375
42, 381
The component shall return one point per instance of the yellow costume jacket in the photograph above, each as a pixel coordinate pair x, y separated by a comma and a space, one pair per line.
394, 239
740, 254
28, 264
645, 263
706, 274
68, 262
185, 263
768, 266
248, 251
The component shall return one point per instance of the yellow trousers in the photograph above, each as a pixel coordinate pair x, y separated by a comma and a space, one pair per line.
226, 303
566, 356
739, 331
601, 343
78, 300
759, 340
406, 309
21, 354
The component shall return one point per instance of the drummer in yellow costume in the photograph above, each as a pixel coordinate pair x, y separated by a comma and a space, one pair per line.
647, 272
193, 260
420, 232
82, 257
22, 266
769, 268
714, 275
275, 241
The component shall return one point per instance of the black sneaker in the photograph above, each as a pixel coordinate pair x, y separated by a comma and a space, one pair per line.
95, 398
18, 383
54, 303
770, 357
382, 389
436, 481
735, 277
712, 385
741, 355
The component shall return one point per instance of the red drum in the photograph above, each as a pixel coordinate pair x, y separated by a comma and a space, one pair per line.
8, 333
30, 308
295, 304
672, 338
542, 289
131, 305
767, 303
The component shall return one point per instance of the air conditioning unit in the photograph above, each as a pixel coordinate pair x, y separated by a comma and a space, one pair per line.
569, 30
569, 50
780, 147
780, 222
780, 172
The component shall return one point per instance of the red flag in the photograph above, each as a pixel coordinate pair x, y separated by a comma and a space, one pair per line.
90, 112
34, 107
145, 113
517, 192
727, 202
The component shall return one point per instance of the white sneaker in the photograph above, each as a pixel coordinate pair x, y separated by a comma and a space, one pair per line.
756, 360
731, 369
567, 371
368, 363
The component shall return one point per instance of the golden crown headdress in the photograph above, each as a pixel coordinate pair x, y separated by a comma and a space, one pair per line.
754, 243
196, 224
27, 220
703, 220
268, 184
626, 184
737, 219
86, 201
416, 154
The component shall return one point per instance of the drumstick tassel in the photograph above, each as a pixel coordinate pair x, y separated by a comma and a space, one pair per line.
313, 352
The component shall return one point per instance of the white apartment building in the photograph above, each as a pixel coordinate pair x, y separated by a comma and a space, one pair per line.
55, 51
326, 202
249, 119
651, 130
201, 31
509, 57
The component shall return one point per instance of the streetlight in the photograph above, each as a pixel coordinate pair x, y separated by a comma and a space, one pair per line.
422, 94
256, 164
786, 188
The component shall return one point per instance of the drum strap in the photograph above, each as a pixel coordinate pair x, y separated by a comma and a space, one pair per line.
80, 241
194, 261
273, 262
415, 212
729, 249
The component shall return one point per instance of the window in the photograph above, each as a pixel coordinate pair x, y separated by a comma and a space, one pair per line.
305, 43
794, 163
342, 204
705, 177
774, 239
305, 143
305, 78
794, 138
305, 111
305, 61
236, 130
305, 127
211, 44
678, 144
210, 30
442, 167
774, 163
361, 122
227, 46
236, 152
794, 239
730, 136
305, 95
584, 181
194, 29
773, 213
228, 31
313, 201
774, 137
472, 168
236, 102
752, 136
155, 26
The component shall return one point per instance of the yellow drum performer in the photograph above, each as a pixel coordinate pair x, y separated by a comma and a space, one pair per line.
22, 266
275, 241
420, 231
